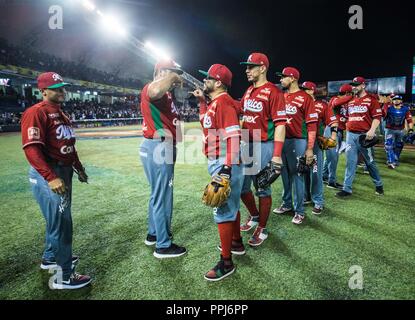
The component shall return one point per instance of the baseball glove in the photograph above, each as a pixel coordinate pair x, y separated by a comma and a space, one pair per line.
268, 175
367, 143
409, 137
326, 143
217, 191
302, 167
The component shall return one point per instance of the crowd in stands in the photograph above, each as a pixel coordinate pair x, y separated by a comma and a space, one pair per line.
41, 61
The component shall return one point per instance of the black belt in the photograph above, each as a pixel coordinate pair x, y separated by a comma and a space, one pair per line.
355, 132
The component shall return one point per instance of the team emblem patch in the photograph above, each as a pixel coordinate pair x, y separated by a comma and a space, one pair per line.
33, 133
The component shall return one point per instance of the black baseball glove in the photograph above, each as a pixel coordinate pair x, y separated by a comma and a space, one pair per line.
367, 143
302, 167
268, 175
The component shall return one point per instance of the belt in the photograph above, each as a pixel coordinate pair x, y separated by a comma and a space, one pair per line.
356, 132
54, 162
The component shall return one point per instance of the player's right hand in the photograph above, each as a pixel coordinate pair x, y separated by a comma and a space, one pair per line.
198, 93
58, 186
309, 156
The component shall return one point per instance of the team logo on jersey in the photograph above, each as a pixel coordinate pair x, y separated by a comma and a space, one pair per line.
207, 122
289, 109
358, 109
249, 119
176, 122
33, 133
64, 132
67, 149
266, 91
57, 77
357, 119
333, 118
253, 105
313, 115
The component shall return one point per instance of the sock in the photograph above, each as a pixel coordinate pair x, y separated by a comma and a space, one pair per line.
225, 234
264, 210
237, 228
249, 201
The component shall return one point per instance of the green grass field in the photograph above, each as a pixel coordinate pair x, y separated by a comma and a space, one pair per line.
310, 261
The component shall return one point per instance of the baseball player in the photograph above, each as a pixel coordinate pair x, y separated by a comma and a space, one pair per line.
326, 118
364, 115
338, 105
299, 141
395, 116
221, 135
161, 131
49, 145
264, 118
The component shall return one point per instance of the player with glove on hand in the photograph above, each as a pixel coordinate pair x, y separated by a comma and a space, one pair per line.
326, 117
221, 136
264, 119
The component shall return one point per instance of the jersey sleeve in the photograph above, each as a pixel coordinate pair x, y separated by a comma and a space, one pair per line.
33, 124
227, 121
375, 109
277, 107
329, 116
311, 114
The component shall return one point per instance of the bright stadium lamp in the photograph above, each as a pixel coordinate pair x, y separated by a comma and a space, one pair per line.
110, 23
88, 5
158, 52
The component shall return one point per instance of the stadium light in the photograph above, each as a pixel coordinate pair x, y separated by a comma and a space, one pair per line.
88, 5
158, 52
110, 23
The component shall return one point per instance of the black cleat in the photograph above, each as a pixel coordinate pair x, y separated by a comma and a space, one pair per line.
343, 194
379, 191
173, 251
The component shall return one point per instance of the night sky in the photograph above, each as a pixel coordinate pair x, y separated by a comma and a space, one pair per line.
313, 36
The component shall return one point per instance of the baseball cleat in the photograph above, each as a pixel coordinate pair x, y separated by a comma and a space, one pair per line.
379, 191
51, 264
237, 248
335, 185
298, 219
75, 281
250, 223
343, 194
282, 210
173, 251
150, 240
317, 210
258, 237
223, 269
391, 166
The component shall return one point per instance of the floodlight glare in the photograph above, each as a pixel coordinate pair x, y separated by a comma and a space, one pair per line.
160, 53
88, 5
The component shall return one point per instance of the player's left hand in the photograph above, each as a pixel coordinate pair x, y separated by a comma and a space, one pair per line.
198, 93
277, 160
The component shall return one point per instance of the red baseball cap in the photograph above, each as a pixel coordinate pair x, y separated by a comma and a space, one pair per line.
167, 65
50, 80
357, 81
220, 73
308, 85
257, 59
346, 88
289, 72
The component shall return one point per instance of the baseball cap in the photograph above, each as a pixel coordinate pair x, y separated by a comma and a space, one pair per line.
357, 81
167, 65
219, 72
397, 97
289, 72
50, 80
308, 85
346, 88
257, 59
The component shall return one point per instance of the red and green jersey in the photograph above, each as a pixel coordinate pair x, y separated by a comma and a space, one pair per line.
47, 125
262, 109
220, 122
160, 118
361, 113
300, 110
326, 116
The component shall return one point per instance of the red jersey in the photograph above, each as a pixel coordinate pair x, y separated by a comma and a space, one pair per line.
46, 124
326, 116
160, 118
219, 121
339, 107
300, 110
361, 112
262, 108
